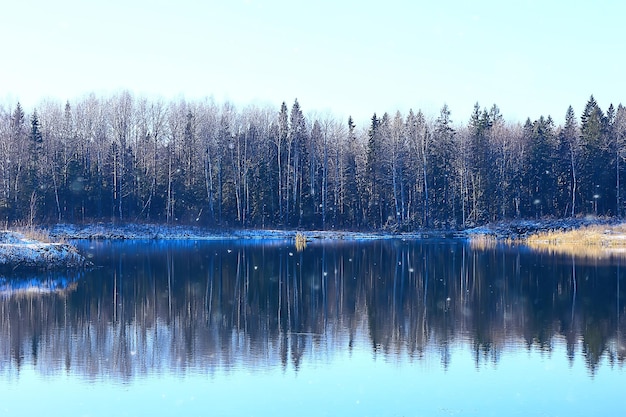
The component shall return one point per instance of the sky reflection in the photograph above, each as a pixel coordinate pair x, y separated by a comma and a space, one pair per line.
523, 382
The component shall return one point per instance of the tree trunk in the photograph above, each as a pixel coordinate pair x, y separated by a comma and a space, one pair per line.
573, 182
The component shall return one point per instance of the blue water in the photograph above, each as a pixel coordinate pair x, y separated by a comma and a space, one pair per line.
343, 328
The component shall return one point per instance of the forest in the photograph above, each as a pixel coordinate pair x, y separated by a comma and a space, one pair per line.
124, 158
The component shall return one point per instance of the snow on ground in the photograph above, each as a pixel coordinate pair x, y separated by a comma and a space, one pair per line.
151, 231
145, 231
524, 228
501, 230
19, 252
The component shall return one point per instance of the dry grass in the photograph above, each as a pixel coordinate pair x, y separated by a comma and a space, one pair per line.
483, 242
589, 240
604, 236
32, 233
300, 241
38, 234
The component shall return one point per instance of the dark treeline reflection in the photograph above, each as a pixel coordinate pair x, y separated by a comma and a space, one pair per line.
163, 307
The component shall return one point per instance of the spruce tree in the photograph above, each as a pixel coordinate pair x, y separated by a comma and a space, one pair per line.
31, 194
569, 153
595, 181
372, 171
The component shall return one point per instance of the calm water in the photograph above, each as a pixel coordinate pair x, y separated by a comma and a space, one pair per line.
368, 328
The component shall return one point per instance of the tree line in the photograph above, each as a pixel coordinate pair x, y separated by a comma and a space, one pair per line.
130, 159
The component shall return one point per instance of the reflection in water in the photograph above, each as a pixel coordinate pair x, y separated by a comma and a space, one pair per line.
156, 307
24, 283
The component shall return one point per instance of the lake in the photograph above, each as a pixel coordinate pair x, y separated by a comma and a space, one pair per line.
362, 328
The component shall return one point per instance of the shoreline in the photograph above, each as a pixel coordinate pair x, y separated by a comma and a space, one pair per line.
582, 236
19, 252
108, 231
518, 230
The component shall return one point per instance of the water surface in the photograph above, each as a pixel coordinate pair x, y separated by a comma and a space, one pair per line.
397, 328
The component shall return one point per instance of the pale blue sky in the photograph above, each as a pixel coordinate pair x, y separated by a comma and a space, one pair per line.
531, 57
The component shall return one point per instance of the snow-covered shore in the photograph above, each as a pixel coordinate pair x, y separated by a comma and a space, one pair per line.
518, 229
17, 252
522, 229
151, 231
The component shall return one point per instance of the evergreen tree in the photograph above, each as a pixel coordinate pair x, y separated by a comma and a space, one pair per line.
595, 180
71, 172
297, 137
541, 179
352, 200
33, 187
373, 174
569, 153
442, 167
482, 170
318, 175
281, 137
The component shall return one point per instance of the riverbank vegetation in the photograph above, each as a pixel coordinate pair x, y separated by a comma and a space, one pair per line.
127, 159
598, 240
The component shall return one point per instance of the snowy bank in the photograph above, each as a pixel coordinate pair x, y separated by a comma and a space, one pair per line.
108, 231
522, 229
17, 252
516, 229
151, 231
502, 230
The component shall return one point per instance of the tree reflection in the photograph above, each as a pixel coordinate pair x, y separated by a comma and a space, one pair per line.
156, 307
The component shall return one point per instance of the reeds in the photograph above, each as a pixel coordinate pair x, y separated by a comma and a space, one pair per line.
300, 241
589, 240
40, 235
483, 242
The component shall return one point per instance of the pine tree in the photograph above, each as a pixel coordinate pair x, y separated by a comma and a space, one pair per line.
280, 141
372, 172
298, 141
319, 174
481, 170
541, 168
352, 200
32, 184
442, 166
595, 178
569, 151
